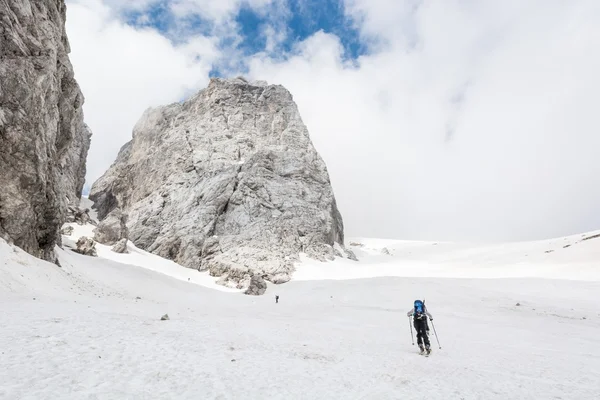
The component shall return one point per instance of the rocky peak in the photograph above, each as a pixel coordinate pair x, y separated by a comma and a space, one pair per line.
227, 181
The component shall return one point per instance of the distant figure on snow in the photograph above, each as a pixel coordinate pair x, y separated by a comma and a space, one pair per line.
276, 298
419, 313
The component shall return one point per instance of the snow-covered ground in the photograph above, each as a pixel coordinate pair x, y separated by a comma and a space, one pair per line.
574, 257
91, 328
143, 259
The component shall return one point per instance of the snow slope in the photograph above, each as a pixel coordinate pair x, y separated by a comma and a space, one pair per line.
143, 259
574, 257
91, 328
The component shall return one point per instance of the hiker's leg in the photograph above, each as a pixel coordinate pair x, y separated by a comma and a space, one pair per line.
426, 339
426, 332
420, 331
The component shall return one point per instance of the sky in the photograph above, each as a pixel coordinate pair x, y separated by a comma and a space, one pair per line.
463, 120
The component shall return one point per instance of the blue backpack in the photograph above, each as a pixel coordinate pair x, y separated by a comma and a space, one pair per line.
419, 309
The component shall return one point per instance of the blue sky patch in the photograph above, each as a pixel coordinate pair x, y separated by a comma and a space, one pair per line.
304, 19
158, 15
310, 16
300, 20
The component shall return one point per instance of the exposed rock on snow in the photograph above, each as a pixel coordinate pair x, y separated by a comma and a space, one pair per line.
120, 247
227, 181
165, 317
67, 231
86, 246
343, 252
112, 229
79, 216
43, 140
257, 286
591, 237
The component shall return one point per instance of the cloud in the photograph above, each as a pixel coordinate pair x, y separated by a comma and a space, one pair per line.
218, 10
472, 121
123, 70
463, 120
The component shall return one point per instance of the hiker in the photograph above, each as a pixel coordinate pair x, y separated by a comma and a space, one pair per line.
419, 313
276, 298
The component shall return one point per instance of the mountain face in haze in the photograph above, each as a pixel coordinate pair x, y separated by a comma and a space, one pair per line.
43, 140
227, 181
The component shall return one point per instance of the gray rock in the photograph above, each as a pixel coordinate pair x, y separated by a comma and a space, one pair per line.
67, 231
210, 249
120, 247
344, 252
43, 140
165, 317
257, 286
227, 181
78, 215
112, 229
591, 237
321, 251
86, 246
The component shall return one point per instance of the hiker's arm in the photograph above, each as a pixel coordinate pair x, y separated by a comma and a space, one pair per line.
412, 310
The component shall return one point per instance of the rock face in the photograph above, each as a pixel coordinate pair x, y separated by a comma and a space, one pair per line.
227, 181
120, 247
112, 229
43, 140
257, 286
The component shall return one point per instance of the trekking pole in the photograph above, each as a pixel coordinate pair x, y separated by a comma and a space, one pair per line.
436, 336
411, 333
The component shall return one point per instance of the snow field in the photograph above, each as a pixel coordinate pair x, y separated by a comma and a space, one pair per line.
87, 336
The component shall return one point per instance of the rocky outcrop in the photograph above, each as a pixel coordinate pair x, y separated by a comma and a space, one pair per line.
79, 216
120, 247
227, 181
257, 286
86, 246
112, 229
43, 140
67, 230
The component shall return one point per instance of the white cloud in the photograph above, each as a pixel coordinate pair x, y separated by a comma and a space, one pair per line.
215, 9
475, 120
468, 119
123, 70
